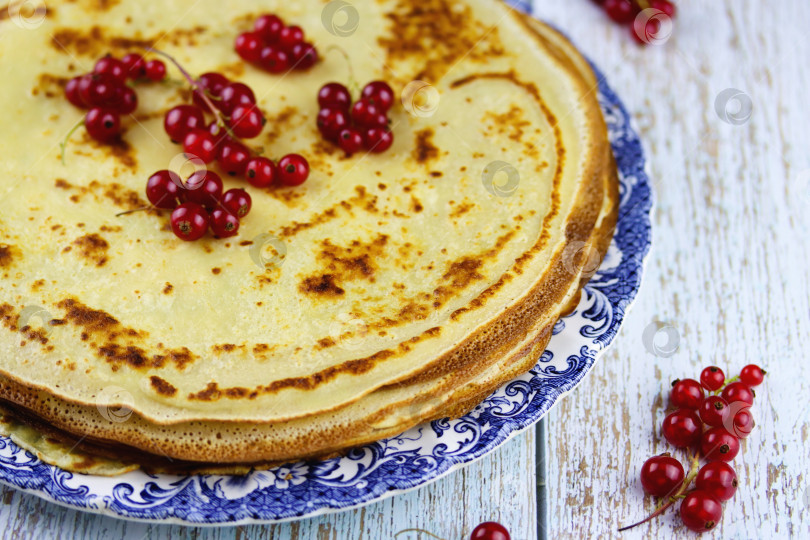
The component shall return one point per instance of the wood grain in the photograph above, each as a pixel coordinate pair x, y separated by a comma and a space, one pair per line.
729, 267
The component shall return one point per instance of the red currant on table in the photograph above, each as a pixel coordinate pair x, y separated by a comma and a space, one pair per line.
204, 188
738, 391
350, 140
260, 172
714, 411
189, 221
380, 94
661, 475
223, 223
686, 393
233, 157
293, 170
163, 189
200, 144
334, 95
742, 423
378, 140
182, 119
700, 512
682, 428
101, 124
490, 530
155, 70
246, 121
249, 46
663, 5
621, 11
237, 202
719, 444
718, 479
752, 375
712, 378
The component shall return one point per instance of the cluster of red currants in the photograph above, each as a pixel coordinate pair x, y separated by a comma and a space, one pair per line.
276, 47
362, 125
198, 203
107, 95
626, 11
726, 414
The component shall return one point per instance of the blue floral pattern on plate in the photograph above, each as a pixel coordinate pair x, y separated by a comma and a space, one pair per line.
415, 457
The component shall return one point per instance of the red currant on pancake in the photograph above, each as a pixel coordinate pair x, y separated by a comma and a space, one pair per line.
211, 82
378, 140
233, 95
289, 36
350, 140
293, 170
237, 201
136, 66
203, 187
223, 223
233, 157
190, 221
268, 27
72, 93
366, 114
248, 46
379, 93
99, 90
102, 124
274, 59
163, 189
201, 144
113, 67
303, 55
126, 102
334, 95
331, 121
182, 119
260, 172
246, 121
155, 70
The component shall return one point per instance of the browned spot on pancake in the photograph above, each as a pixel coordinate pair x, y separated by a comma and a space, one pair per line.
61, 183
50, 85
424, 150
233, 71
279, 123
162, 387
461, 209
93, 248
26, 10
216, 271
325, 343
8, 317
426, 38
416, 206
321, 285
37, 285
168, 288
34, 334
227, 347
362, 200
8, 254
95, 41
512, 124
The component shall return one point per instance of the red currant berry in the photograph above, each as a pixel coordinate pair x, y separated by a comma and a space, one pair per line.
489, 530
742, 424
663, 5
752, 375
350, 140
102, 90
136, 66
212, 83
237, 202
379, 93
219, 133
719, 444
268, 27
661, 475
200, 144
714, 411
223, 223
366, 114
72, 93
712, 378
113, 67
378, 140
682, 428
249, 46
686, 394
274, 59
334, 95
189, 221
331, 122
102, 124
155, 70
235, 94
700, 512
621, 11
718, 479
289, 36
182, 119
163, 189
233, 157
738, 391
293, 170
246, 122
260, 172
83, 89
303, 56
127, 101
204, 188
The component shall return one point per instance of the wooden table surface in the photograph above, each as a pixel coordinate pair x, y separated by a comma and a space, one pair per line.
727, 280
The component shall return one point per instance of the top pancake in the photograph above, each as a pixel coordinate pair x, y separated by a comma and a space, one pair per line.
410, 264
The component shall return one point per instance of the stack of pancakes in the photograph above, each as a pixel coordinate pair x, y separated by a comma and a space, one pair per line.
388, 290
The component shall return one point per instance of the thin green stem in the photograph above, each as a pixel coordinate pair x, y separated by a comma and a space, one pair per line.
418, 531
354, 86
63, 144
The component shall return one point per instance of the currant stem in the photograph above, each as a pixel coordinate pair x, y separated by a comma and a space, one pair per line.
354, 86
63, 144
693, 472
140, 209
418, 531
643, 4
